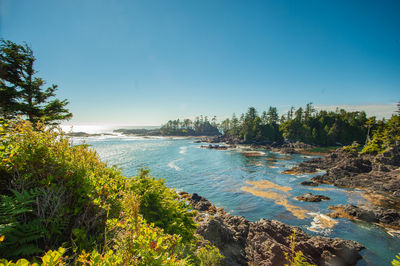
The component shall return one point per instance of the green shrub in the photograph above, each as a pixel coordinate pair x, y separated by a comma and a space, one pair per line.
50, 258
77, 188
161, 205
209, 256
353, 148
53, 194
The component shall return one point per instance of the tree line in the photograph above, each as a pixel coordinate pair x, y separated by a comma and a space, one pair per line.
201, 126
303, 124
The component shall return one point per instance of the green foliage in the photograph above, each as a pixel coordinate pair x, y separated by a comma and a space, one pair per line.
296, 258
20, 233
385, 136
199, 127
76, 187
161, 206
54, 194
306, 125
353, 148
209, 256
50, 258
137, 242
21, 92
396, 262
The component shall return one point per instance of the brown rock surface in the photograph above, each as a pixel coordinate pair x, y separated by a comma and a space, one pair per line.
312, 198
265, 242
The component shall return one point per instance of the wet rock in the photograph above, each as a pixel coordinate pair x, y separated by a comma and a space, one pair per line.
215, 147
312, 198
380, 173
372, 214
265, 242
309, 183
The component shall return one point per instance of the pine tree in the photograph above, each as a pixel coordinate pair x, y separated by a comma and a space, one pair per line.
21, 92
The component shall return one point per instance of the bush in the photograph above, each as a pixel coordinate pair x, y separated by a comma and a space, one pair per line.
53, 194
74, 188
353, 148
209, 256
161, 206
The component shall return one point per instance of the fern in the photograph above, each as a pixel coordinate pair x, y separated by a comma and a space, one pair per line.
19, 227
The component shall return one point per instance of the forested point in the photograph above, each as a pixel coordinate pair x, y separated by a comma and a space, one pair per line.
324, 128
320, 128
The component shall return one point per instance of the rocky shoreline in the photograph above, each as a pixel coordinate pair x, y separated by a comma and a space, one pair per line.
265, 242
378, 176
281, 147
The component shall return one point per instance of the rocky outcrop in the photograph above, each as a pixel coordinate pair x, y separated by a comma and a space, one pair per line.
378, 174
309, 183
388, 218
312, 198
216, 147
290, 147
265, 242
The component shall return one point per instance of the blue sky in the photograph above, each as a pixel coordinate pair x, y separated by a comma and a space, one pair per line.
144, 62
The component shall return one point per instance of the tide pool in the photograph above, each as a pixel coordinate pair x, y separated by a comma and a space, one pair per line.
253, 187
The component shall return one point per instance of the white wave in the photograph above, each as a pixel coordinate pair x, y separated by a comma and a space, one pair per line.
321, 223
183, 150
174, 166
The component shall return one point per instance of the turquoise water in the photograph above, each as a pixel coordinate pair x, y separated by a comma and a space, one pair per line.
228, 179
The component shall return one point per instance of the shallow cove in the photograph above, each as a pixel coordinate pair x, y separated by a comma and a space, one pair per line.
220, 176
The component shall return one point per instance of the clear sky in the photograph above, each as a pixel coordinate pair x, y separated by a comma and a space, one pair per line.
145, 62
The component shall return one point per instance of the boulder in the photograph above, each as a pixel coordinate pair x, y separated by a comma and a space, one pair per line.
312, 198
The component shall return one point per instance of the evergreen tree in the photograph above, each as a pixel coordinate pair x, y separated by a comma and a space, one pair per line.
272, 115
21, 91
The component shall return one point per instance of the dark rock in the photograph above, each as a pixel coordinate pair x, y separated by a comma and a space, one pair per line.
380, 173
201, 203
312, 198
372, 214
265, 242
309, 183
215, 147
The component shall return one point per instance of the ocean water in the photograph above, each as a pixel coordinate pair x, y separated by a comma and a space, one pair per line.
253, 187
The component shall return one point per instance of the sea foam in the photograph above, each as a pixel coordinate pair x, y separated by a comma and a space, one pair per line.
174, 166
